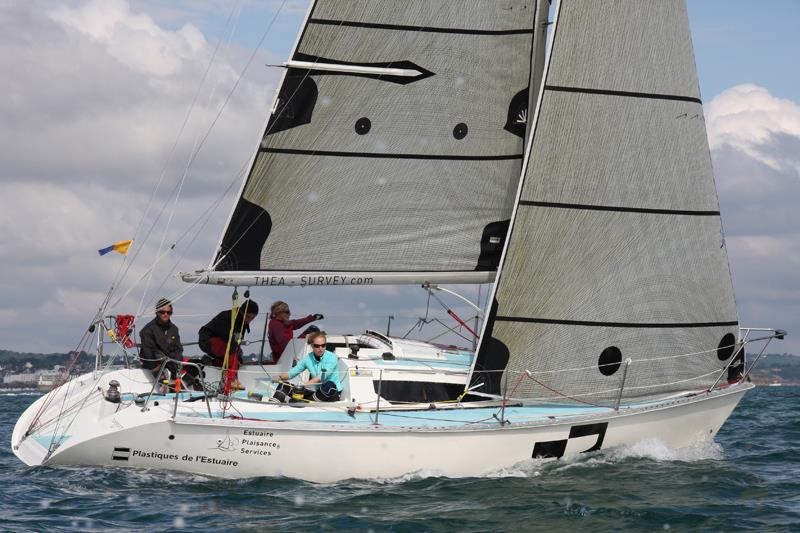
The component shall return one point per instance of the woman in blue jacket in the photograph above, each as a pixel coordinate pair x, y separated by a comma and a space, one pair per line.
322, 366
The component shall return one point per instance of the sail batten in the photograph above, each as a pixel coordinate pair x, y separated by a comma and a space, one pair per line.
425, 29
383, 155
628, 94
643, 325
621, 209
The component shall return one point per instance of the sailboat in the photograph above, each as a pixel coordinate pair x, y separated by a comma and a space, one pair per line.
462, 142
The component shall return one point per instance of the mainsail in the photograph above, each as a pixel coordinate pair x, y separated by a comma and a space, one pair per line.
395, 144
616, 248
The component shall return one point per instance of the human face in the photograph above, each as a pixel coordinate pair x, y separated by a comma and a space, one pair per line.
164, 313
319, 345
249, 317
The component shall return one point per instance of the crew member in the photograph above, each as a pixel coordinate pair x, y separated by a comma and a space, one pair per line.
215, 335
161, 340
322, 366
281, 328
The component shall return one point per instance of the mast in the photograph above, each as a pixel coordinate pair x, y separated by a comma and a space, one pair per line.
540, 61
538, 56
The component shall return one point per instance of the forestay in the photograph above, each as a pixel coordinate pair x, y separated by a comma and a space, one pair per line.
616, 249
395, 144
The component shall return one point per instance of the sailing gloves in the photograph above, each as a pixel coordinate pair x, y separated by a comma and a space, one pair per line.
318, 316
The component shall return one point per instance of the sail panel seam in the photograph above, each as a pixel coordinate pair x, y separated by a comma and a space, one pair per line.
426, 29
443, 157
607, 92
656, 325
687, 212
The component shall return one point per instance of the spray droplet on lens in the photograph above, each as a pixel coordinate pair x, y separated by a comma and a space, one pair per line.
312, 196
299, 500
179, 522
325, 101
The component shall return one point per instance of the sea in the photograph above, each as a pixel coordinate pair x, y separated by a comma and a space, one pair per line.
747, 479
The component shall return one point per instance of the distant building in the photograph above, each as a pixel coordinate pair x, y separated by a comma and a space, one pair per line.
50, 378
31, 379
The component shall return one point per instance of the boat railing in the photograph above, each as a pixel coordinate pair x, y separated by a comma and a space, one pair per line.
703, 381
610, 398
160, 382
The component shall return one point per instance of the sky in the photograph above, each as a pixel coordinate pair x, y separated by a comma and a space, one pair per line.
96, 92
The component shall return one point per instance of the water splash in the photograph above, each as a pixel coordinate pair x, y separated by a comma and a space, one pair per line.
656, 450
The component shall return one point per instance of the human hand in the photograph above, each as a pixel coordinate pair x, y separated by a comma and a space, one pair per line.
318, 316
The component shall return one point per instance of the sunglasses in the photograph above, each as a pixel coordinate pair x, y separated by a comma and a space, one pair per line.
164, 312
319, 345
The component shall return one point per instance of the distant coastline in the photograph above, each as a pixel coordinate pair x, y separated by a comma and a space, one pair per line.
21, 370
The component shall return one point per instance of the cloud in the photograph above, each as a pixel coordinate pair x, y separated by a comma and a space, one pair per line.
755, 145
751, 120
99, 92
94, 97
135, 40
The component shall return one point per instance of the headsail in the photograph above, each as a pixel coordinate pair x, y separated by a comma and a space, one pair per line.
395, 144
616, 247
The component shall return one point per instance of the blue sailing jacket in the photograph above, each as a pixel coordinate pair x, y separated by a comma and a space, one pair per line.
328, 363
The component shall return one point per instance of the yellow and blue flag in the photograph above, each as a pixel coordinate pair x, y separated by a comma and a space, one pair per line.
119, 247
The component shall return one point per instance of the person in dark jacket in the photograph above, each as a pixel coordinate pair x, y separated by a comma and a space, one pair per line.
214, 336
161, 339
281, 327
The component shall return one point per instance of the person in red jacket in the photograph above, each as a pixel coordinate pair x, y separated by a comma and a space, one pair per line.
281, 327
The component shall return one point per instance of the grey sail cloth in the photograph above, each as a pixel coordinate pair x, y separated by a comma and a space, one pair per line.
616, 250
363, 172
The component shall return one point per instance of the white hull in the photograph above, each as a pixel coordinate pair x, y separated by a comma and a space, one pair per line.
312, 448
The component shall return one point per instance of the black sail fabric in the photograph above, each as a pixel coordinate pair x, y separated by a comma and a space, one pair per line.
370, 170
616, 249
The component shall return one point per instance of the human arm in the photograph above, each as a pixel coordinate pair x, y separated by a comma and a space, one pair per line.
295, 370
147, 344
300, 322
174, 345
329, 368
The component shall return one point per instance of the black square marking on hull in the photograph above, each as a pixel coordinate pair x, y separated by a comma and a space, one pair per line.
121, 454
556, 448
550, 448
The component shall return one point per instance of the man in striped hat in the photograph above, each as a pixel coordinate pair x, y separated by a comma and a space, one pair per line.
160, 339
